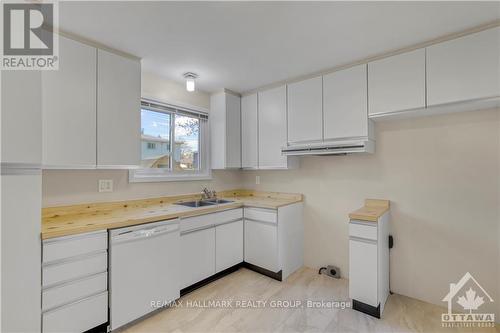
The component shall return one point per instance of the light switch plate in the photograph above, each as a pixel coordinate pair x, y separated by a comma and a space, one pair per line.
105, 185
257, 180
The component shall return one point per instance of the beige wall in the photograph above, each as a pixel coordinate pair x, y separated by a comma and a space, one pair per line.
65, 187
440, 173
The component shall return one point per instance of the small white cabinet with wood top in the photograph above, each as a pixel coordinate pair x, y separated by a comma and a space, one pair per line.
225, 129
249, 132
118, 110
305, 111
466, 68
69, 108
397, 83
369, 259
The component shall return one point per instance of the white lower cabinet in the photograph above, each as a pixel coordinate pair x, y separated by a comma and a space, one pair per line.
363, 271
274, 239
79, 316
261, 244
197, 255
369, 265
75, 282
228, 245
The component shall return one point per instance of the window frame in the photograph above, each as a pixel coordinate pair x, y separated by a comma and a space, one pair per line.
144, 175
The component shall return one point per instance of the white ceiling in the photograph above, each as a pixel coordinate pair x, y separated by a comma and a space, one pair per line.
245, 45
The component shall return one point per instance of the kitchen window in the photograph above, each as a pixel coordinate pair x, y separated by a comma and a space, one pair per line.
174, 144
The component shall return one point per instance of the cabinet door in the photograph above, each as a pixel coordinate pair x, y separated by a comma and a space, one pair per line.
272, 128
465, 68
21, 117
363, 271
261, 245
344, 98
305, 119
397, 83
69, 107
233, 130
197, 256
249, 148
229, 245
118, 110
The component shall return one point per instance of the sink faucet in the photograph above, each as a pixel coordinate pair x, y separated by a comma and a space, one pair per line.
207, 194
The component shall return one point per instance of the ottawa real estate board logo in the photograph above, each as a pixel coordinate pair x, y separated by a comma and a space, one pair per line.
29, 41
467, 296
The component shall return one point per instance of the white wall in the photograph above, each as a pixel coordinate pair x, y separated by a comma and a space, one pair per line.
160, 89
441, 174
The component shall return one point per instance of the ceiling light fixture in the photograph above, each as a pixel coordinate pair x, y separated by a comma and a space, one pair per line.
190, 77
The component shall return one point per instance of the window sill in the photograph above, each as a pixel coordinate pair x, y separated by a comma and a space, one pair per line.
136, 177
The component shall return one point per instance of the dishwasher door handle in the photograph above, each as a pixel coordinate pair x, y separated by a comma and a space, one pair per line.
145, 233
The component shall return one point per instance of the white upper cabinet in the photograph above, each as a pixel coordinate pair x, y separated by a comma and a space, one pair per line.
21, 117
249, 130
465, 68
69, 108
118, 110
397, 83
305, 111
225, 130
272, 128
344, 104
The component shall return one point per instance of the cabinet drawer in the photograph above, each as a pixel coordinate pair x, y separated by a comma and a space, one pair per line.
201, 221
260, 214
363, 230
70, 270
73, 291
79, 316
70, 246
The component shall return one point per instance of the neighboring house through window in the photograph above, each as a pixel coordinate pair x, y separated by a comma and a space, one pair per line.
174, 143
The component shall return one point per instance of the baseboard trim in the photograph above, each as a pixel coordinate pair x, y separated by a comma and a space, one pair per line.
210, 279
365, 308
275, 275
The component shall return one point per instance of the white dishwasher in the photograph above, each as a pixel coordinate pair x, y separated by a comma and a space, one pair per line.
144, 268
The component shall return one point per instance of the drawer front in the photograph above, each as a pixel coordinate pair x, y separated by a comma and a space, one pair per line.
73, 291
70, 246
78, 316
201, 221
70, 270
261, 214
363, 230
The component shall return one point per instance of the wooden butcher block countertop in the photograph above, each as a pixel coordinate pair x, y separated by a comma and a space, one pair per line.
76, 219
373, 209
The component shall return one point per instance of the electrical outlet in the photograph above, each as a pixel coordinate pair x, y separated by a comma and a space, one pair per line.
105, 185
257, 180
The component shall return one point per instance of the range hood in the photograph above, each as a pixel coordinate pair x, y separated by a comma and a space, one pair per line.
337, 147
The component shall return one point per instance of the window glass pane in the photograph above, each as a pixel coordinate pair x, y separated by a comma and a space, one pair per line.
186, 150
155, 139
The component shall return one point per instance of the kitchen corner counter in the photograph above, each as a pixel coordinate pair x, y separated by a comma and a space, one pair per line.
372, 210
76, 219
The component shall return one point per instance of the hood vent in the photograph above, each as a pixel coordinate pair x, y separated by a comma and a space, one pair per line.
331, 148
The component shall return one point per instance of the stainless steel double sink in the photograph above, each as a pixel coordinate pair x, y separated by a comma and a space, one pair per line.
201, 203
